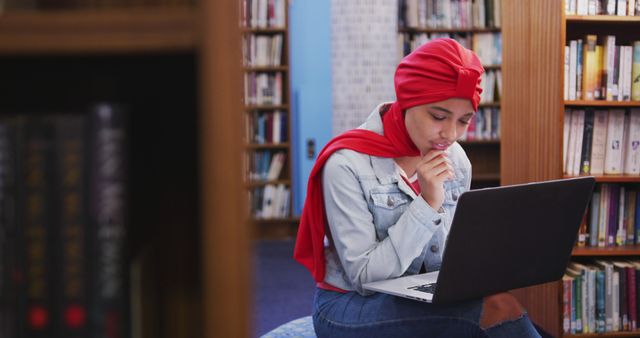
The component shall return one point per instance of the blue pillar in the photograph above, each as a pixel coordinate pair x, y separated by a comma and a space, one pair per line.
310, 60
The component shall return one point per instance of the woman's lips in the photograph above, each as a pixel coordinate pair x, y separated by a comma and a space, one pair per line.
440, 145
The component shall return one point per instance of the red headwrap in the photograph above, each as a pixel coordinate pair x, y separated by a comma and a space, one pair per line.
438, 70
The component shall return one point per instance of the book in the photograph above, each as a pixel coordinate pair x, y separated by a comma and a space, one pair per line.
615, 133
591, 69
635, 72
587, 137
38, 219
107, 220
632, 144
599, 141
70, 197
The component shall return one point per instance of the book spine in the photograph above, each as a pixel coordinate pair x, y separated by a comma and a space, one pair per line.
38, 227
107, 301
70, 199
587, 137
635, 72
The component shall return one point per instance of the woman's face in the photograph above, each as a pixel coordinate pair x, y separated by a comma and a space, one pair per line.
437, 125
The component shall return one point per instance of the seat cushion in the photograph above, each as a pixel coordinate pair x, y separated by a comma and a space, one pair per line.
299, 328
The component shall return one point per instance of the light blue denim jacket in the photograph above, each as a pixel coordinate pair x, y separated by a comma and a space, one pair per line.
379, 228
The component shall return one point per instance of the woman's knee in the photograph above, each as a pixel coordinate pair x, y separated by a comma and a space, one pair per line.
499, 308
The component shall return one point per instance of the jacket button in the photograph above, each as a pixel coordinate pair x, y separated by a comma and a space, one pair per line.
434, 248
437, 222
389, 201
455, 197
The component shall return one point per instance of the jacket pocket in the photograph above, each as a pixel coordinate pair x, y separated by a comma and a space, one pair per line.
387, 207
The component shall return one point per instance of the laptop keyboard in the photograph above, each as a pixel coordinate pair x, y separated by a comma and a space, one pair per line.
427, 288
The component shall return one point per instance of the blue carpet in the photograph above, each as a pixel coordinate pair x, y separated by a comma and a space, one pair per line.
283, 288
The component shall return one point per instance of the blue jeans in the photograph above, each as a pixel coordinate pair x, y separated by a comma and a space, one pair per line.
379, 315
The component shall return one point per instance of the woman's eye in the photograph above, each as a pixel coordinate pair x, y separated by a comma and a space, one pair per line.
465, 121
438, 117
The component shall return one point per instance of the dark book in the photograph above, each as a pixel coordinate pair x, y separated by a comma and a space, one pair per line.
70, 295
38, 220
587, 137
8, 240
107, 220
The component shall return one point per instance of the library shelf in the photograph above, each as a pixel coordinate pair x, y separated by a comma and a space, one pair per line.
629, 250
533, 79
613, 178
266, 107
266, 69
602, 18
98, 31
602, 103
269, 30
605, 334
256, 146
255, 184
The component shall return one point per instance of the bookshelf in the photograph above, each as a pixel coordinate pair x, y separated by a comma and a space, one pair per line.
534, 37
268, 119
420, 21
187, 224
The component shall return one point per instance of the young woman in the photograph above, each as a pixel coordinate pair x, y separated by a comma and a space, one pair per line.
380, 202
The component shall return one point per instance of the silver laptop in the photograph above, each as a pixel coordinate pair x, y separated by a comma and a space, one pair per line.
501, 239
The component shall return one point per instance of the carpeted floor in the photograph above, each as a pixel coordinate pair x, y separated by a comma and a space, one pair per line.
283, 288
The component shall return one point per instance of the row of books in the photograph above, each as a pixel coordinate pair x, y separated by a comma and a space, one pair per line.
602, 7
271, 201
613, 218
63, 201
601, 297
263, 13
601, 142
265, 165
449, 14
488, 46
485, 125
266, 127
601, 70
491, 86
262, 50
72, 4
263, 88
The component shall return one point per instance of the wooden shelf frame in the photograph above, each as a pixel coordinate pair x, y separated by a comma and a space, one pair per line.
126, 30
534, 34
612, 19
601, 103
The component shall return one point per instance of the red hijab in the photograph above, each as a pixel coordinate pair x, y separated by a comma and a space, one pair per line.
438, 70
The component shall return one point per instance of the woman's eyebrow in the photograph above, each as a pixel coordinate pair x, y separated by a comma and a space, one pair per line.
445, 110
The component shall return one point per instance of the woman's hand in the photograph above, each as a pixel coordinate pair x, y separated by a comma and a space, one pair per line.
434, 168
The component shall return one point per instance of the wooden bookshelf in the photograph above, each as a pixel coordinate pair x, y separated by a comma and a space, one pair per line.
584, 103
188, 209
630, 250
614, 178
270, 227
534, 36
98, 31
483, 153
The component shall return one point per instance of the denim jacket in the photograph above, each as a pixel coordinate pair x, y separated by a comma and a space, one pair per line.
378, 227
